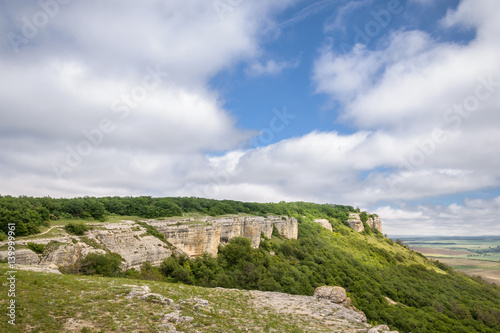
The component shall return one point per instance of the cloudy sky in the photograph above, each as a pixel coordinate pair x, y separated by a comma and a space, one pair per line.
392, 106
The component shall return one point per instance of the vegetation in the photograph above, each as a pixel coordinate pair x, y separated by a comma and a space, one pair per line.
77, 229
430, 297
31, 213
37, 248
69, 303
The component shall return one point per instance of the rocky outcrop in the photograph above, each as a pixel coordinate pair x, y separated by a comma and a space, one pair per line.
336, 295
23, 257
193, 240
126, 238
324, 223
68, 254
356, 224
131, 242
375, 222
381, 329
194, 237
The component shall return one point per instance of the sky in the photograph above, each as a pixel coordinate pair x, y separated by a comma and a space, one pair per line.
389, 106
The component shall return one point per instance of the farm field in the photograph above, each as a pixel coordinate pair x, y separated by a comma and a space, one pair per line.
471, 255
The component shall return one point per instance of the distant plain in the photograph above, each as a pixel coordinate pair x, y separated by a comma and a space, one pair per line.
470, 255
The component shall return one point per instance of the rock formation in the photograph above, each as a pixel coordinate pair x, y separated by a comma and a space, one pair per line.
356, 224
127, 238
131, 242
375, 222
68, 254
335, 295
194, 237
324, 223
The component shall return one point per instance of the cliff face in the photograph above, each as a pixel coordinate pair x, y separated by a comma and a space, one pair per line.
375, 222
324, 223
126, 238
356, 224
206, 234
131, 242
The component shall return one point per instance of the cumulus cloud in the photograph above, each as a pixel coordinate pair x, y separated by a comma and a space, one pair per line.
270, 67
122, 106
111, 104
476, 217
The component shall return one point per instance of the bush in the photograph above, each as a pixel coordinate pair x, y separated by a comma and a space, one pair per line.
104, 264
76, 228
37, 248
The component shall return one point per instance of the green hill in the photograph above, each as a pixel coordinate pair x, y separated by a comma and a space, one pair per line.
389, 283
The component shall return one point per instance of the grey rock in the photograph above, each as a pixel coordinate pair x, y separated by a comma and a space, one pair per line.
23, 256
381, 329
144, 293
207, 233
336, 295
176, 317
324, 223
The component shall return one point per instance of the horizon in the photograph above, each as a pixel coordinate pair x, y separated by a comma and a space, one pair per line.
390, 106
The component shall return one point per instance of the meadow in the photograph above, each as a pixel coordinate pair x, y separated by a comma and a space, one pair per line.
470, 255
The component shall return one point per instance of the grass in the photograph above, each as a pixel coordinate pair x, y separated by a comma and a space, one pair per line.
60, 303
485, 265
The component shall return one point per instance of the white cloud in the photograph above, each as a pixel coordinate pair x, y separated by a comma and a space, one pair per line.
472, 218
68, 78
142, 69
270, 67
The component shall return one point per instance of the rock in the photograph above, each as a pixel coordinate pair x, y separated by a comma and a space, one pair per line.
177, 318
206, 234
336, 295
355, 222
23, 256
131, 242
197, 302
312, 310
324, 223
381, 329
39, 268
144, 293
69, 254
375, 222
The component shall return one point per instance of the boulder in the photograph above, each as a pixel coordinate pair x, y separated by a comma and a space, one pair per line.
336, 295
381, 329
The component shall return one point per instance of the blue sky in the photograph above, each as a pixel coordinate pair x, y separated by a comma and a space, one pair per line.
391, 106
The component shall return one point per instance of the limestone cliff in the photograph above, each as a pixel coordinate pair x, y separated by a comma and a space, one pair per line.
375, 222
125, 238
324, 223
194, 237
356, 224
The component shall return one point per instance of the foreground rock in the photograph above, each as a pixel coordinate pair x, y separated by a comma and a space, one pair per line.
336, 295
321, 312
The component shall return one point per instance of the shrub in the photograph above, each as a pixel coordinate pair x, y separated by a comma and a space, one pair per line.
76, 228
104, 264
37, 248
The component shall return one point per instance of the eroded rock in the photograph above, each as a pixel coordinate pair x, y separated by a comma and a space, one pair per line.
324, 223
335, 295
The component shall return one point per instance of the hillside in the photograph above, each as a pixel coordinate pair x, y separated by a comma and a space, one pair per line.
389, 283
61, 303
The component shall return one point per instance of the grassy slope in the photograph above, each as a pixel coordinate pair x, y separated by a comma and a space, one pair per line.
371, 267
60, 303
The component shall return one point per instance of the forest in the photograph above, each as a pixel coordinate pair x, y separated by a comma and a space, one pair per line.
424, 296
